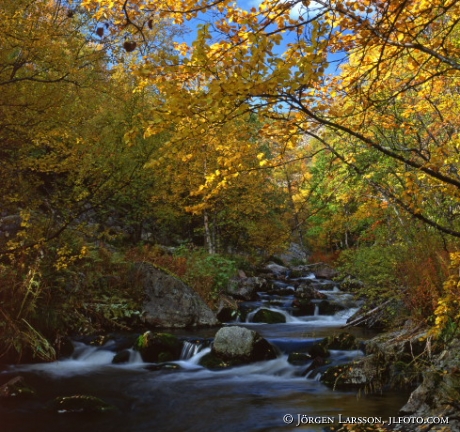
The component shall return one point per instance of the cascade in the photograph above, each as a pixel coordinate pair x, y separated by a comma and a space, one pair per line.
168, 397
316, 312
190, 349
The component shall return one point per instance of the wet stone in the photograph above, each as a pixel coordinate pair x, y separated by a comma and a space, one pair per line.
16, 388
80, 404
268, 316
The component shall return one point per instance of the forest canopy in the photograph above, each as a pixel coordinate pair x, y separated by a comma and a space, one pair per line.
234, 126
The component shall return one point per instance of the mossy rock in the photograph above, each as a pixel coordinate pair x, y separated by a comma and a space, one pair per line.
80, 404
212, 361
319, 350
158, 347
268, 316
343, 341
299, 358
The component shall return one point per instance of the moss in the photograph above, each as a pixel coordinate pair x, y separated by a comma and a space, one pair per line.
211, 361
299, 358
158, 347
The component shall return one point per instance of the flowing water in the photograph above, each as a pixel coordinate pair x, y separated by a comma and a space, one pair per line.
251, 398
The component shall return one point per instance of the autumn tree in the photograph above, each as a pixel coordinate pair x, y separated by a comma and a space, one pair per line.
72, 157
374, 83
391, 51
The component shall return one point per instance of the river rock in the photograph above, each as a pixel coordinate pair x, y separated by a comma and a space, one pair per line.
326, 307
158, 347
343, 341
172, 303
246, 288
299, 358
80, 404
278, 270
121, 357
319, 350
306, 291
324, 271
228, 309
303, 307
268, 316
346, 376
16, 388
239, 345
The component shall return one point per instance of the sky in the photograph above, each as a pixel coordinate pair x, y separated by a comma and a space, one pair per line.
248, 4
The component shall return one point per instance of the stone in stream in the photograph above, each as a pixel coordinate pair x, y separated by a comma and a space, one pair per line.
303, 307
158, 347
343, 341
121, 357
80, 404
16, 388
246, 288
299, 358
235, 346
346, 376
306, 291
324, 271
326, 307
268, 316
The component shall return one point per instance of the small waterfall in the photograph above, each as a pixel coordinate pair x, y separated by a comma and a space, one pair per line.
135, 356
313, 375
316, 312
91, 355
190, 349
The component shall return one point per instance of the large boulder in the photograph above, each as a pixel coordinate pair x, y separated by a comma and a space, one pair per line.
238, 345
172, 303
295, 254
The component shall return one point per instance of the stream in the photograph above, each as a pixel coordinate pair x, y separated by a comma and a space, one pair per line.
250, 398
